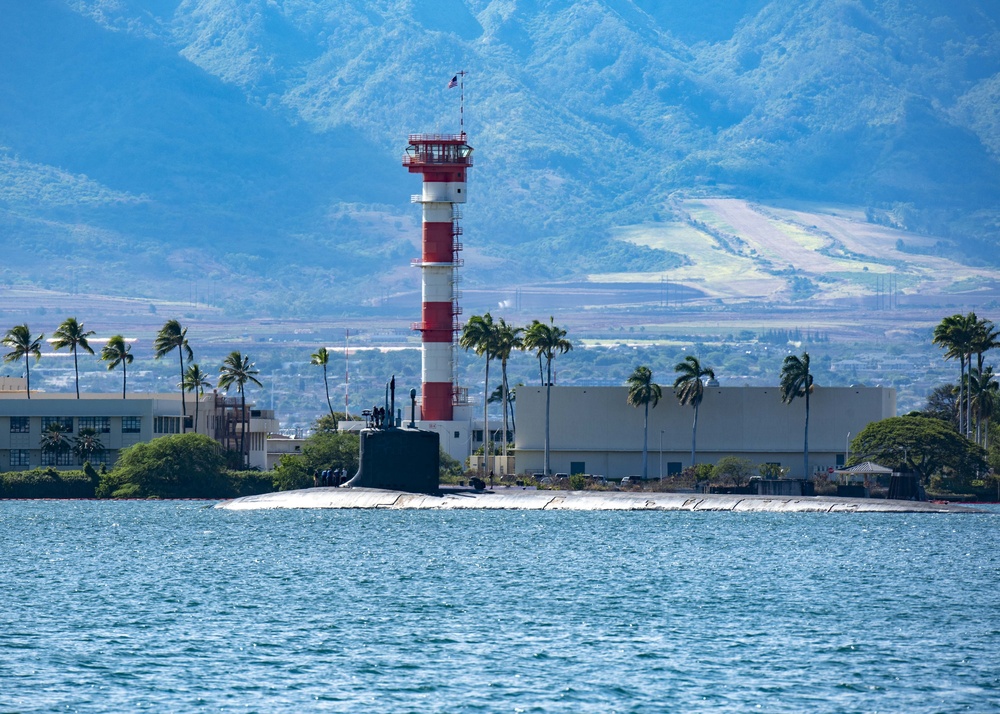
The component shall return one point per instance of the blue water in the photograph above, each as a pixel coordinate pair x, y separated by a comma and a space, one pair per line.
173, 606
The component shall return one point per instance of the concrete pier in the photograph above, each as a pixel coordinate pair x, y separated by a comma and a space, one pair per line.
532, 500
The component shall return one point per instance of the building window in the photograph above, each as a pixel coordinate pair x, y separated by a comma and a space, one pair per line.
102, 425
458, 435
477, 435
65, 424
674, 468
63, 458
96, 459
20, 425
131, 425
20, 457
167, 425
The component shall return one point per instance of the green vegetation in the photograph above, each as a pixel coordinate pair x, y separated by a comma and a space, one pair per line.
48, 483
481, 336
175, 466
735, 469
922, 445
322, 450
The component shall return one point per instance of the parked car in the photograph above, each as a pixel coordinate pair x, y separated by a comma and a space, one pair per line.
629, 481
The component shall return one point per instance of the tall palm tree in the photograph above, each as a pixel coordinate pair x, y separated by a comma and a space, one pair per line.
322, 358
643, 391
508, 339
955, 334
71, 334
22, 344
237, 369
118, 352
546, 340
480, 335
796, 381
195, 380
170, 337
690, 389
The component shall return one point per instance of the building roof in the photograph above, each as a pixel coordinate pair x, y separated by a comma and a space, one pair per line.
867, 467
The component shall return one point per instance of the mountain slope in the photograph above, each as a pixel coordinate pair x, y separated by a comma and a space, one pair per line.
258, 142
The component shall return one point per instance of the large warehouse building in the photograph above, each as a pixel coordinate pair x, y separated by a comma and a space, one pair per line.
594, 430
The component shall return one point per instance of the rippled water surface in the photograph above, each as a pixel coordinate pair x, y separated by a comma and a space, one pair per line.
174, 606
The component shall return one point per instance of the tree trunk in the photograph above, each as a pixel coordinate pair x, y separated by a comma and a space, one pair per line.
548, 390
196, 404
805, 448
124, 377
76, 371
243, 427
326, 384
694, 434
503, 406
180, 355
486, 418
645, 437
27, 376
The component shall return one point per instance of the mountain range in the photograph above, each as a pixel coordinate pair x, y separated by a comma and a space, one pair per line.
255, 146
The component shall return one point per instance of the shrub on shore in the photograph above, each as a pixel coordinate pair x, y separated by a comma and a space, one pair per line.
47, 483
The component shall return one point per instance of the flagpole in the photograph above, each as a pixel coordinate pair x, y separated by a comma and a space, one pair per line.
461, 109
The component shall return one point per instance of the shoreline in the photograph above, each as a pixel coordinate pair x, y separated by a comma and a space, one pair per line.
529, 500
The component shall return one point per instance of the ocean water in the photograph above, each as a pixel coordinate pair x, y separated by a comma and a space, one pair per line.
176, 607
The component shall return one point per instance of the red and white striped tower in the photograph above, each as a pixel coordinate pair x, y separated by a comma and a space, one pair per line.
444, 161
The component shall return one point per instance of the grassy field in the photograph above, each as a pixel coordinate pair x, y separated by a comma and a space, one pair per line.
738, 251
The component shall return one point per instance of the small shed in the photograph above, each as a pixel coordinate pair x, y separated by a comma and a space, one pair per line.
862, 472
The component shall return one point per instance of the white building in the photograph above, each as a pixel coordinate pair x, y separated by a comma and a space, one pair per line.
120, 423
594, 430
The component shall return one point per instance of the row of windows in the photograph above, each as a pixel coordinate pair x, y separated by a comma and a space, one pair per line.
102, 425
22, 457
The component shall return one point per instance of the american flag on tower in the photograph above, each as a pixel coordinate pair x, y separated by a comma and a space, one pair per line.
453, 83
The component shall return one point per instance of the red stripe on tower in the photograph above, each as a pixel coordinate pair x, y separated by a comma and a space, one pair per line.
443, 160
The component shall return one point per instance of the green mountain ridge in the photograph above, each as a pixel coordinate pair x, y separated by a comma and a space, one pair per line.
257, 143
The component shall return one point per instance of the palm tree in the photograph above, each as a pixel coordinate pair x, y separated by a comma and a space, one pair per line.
22, 344
86, 444
984, 395
195, 380
955, 335
170, 337
53, 441
71, 334
117, 352
984, 338
643, 391
321, 357
480, 335
546, 340
690, 389
796, 381
508, 339
237, 369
